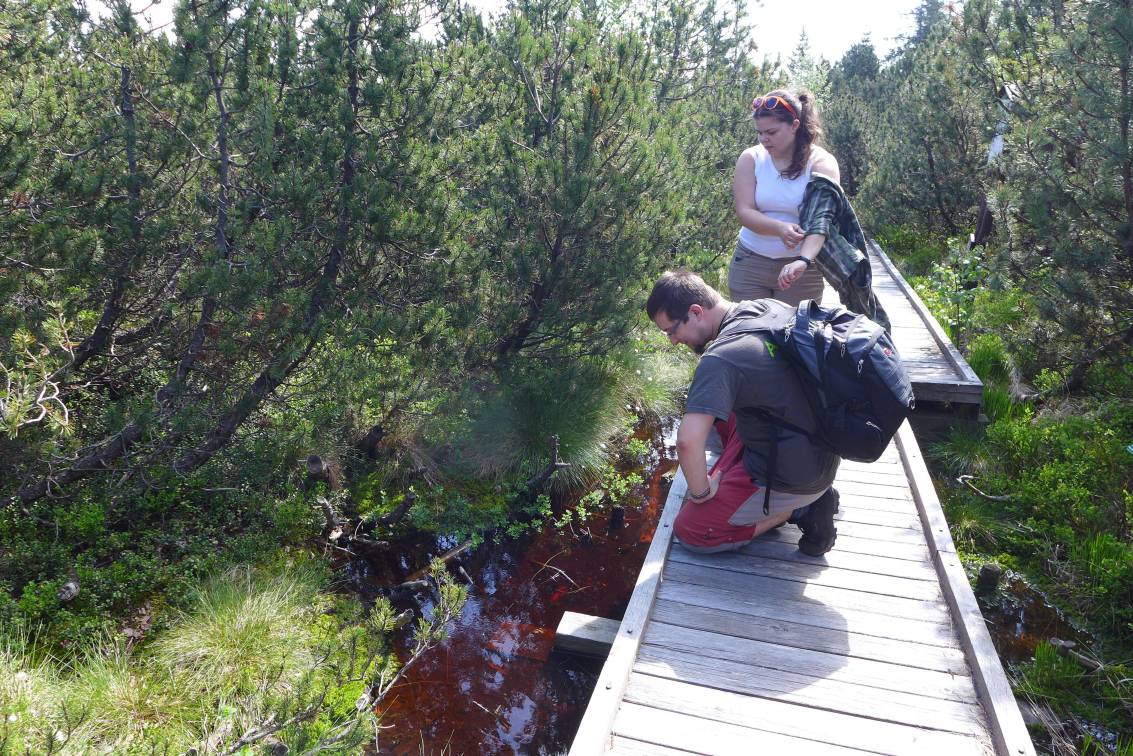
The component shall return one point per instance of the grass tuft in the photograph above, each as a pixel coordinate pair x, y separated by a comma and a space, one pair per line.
244, 634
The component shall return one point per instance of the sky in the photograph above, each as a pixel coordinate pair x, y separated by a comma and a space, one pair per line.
832, 26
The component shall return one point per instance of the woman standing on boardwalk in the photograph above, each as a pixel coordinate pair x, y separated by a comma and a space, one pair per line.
768, 188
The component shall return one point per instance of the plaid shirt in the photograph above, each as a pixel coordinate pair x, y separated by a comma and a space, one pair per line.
842, 261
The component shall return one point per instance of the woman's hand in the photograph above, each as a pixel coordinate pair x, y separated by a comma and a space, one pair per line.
790, 273
791, 234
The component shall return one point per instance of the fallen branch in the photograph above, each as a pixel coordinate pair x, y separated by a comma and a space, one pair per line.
547, 565
443, 559
400, 511
967, 481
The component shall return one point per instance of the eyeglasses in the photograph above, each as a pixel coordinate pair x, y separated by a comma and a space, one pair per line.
672, 330
770, 102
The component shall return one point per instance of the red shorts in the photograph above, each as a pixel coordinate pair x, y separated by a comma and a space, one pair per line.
728, 520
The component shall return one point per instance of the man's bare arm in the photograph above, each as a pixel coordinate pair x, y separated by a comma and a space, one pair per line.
692, 438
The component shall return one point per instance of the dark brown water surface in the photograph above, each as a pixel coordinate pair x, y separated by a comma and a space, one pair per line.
496, 686
1019, 618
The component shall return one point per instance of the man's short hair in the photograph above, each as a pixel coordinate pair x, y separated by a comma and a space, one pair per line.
678, 290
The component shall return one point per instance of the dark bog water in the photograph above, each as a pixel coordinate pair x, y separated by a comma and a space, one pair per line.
1019, 618
495, 686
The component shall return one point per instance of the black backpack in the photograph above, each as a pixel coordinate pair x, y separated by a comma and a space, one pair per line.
851, 373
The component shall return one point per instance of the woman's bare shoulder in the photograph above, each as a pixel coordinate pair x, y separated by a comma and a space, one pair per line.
825, 164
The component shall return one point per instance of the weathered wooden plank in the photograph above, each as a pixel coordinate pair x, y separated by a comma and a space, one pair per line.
873, 490
768, 715
585, 634
847, 560
874, 478
820, 692
876, 504
850, 512
894, 550
955, 393
869, 504
687, 733
880, 533
814, 573
879, 464
797, 635
812, 613
879, 471
879, 674
1006, 723
628, 747
823, 597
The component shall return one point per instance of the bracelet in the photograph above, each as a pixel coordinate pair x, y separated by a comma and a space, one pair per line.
803, 258
704, 495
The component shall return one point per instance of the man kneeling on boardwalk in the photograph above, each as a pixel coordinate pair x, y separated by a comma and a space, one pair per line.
739, 386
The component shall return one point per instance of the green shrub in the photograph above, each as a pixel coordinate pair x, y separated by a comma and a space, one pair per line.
912, 249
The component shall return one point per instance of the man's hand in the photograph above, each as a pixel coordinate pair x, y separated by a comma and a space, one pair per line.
713, 489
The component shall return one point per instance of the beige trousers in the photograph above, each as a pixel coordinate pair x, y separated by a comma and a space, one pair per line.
753, 276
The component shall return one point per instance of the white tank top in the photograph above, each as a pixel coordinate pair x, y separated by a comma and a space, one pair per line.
778, 198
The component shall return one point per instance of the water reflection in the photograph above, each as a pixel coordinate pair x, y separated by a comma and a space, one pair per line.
496, 686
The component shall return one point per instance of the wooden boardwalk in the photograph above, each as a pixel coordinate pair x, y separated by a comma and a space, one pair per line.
877, 647
938, 371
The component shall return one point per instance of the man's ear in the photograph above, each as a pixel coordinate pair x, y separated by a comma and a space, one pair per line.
696, 310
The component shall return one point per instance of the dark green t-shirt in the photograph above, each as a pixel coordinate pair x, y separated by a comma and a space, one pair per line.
740, 371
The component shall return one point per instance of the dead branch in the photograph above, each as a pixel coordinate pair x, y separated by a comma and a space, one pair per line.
443, 558
967, 481
535, 485
547, 565
400, 510
269, 727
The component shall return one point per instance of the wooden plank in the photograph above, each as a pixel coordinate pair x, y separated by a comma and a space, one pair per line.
866, 472
628, 747
819, 692
869, 516
857, 501
687, 733
781, 717
878, 674
585, 634
880, 533
878, 464
797, 635
1006, 723
928, 391
915, 552
812, 613
821, 596
865, 478
815, 573
871, 490
879, 565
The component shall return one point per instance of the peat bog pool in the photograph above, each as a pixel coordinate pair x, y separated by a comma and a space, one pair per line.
495, 685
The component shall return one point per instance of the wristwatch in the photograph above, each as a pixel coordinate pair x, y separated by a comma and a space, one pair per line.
803, 258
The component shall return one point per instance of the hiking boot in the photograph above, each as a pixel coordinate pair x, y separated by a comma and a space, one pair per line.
817, 525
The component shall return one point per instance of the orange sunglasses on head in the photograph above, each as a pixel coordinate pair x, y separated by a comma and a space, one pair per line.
770, 102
